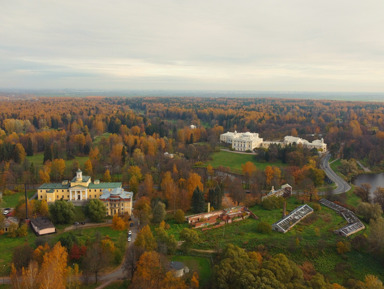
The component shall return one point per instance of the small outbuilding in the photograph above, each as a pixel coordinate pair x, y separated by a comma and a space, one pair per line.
42, 226
179, 269
9, 224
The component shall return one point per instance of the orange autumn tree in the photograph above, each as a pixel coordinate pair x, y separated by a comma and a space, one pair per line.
118, 223
54, 268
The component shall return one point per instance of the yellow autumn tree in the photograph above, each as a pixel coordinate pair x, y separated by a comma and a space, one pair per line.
107, 176
118, 223
54, 268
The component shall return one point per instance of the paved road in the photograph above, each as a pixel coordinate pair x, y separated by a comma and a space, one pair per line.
342, 186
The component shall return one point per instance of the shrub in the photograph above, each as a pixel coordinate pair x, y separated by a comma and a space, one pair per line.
179, 216
316, 207
272, 203
264, 228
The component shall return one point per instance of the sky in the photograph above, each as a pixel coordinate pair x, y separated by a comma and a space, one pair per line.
271, 45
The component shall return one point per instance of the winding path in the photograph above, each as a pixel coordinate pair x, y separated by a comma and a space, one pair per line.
342, 186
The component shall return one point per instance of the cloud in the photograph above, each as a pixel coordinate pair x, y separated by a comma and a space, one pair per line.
260, 45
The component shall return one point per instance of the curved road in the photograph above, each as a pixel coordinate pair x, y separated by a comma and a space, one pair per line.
342, 186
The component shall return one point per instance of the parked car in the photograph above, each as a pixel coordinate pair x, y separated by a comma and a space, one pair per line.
131, 224
5, 212
83, 223
129, 233
129, 239
76, 223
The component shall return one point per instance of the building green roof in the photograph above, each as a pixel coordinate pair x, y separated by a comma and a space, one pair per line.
60, 186
105, 185
54, 186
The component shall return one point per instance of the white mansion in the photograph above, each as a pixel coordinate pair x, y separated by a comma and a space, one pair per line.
248, 141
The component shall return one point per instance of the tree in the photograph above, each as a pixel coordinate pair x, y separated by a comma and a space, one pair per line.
118, 223
149, 272
29, 149
369, 211
88, 168
179, 216
236, 191
42, 208
166, 244
142, 210
190, 237
343, 247
47, 154
215, 197
96, 259
53, 270
20, 154
172, 282
145, 239
159, 213
363, 191
378, 196
194, 181
268, 174
96, 210
21, 256
236, 270
198, 203
62, 212
107, 176
57, 169
376, 235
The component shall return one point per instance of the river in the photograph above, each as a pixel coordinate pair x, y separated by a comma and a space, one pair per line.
375, 180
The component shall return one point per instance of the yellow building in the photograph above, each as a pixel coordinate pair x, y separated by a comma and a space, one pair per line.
79, 189
117, 201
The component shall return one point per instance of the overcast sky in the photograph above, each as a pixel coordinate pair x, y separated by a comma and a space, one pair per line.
271, 45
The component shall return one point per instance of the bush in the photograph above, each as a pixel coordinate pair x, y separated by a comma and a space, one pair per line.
272, 203
179, 216
264, 228
316, 207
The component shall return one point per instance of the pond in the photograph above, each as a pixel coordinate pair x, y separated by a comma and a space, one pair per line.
375, 180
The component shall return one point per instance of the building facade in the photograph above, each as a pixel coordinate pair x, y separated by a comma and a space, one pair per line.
242, 141
249, 141
80, 188
117, 201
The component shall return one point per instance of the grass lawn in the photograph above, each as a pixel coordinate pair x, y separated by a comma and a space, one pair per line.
37, 160
5, 286
335, 167
99, 137
7, 244
12, 200
199, 264
234, 161
84, 235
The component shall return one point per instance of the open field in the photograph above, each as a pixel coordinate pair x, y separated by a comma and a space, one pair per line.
235, 160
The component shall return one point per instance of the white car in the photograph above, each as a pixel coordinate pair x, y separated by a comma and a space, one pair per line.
129, 233
5, 212
129, 239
